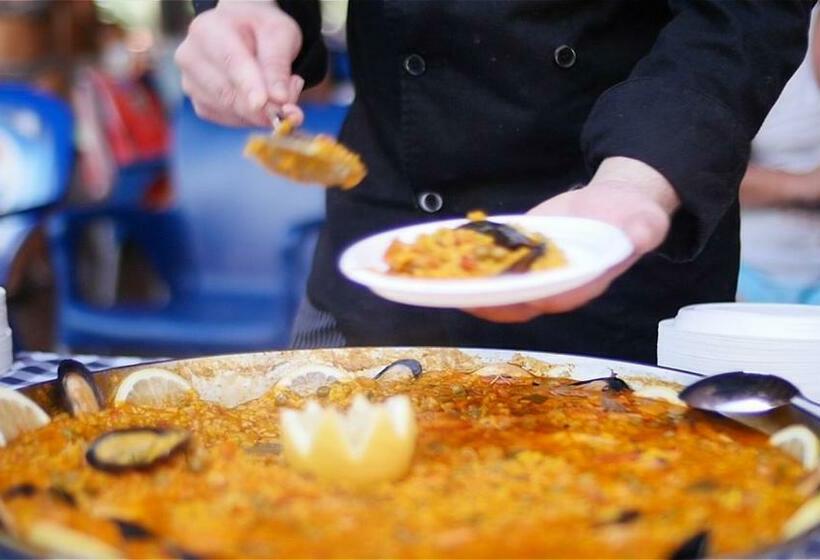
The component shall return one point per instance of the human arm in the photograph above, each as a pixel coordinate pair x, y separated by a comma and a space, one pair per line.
624, 192
762, 187
243, 60
688, 112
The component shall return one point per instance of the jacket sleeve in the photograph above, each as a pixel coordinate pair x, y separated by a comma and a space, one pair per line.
311, 62
692, 105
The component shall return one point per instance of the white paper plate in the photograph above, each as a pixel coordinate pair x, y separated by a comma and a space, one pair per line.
6, 357
591, 247
752, 320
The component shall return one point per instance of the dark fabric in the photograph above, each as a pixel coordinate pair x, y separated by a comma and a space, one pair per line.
311, 62
501, 116
314, 329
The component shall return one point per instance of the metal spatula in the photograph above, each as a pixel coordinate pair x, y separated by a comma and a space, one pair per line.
306, 158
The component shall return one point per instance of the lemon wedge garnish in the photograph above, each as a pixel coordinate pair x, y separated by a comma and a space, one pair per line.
68, 543
305, 378
805, 518
151, 387
799, 442
659, 393
18, 414
367, 444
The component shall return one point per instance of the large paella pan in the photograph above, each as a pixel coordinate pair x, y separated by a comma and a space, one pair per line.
483, 454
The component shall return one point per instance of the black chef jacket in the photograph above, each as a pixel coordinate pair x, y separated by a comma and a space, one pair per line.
500, 105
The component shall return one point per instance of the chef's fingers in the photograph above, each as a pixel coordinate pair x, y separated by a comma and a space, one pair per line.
278, 40
232, 53
297, 83
561, 303
292, 110
208, 87
518, 313
217, 114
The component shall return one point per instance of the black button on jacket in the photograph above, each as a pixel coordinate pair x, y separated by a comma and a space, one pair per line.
501, 105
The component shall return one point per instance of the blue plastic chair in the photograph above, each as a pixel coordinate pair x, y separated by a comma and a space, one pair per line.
36, 157
232, 253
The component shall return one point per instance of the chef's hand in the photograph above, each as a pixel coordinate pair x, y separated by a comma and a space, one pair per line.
624, 192
236, 63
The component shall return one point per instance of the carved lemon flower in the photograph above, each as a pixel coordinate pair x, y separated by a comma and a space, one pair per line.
367, 444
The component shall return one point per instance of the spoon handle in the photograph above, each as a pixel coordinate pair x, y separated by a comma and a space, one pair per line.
804, 398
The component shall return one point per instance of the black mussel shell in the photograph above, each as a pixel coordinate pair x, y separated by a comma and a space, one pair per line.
509, 238
182, 554
24, 490
624, 518
612, 383
132, 531
502, 234
135, 448
78, 390
692, 548
62, 495
413, 367
525, 263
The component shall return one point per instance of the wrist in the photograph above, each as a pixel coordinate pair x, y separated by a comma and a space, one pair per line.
637, 180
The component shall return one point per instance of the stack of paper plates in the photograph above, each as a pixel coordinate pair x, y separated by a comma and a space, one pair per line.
762, 338
5, 335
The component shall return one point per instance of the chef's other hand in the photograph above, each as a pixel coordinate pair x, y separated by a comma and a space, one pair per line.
236, 63
624, 192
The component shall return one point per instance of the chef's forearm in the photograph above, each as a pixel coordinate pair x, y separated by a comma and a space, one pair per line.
692, 105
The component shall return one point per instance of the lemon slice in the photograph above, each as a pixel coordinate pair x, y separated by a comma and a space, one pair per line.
805, 518
151, 387
305, 378
68, 543
367, 444
18, 414
800, 442
659, 393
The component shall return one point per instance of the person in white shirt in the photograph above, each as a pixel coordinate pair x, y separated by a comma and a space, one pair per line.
780, 194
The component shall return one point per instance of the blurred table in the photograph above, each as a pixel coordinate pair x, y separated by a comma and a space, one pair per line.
36, 367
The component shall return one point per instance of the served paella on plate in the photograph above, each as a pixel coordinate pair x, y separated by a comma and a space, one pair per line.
484, 261
479, 247
399, 453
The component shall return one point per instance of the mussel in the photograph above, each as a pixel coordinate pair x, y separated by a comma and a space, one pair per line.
62, 495
509, 238
135, 448
502, 234
78, 390
697, 546
23, 490
27, 490
131, 530
612, 384
400, 368
624, 517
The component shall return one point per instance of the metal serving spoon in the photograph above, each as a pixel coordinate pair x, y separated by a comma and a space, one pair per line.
307, 158
737, 392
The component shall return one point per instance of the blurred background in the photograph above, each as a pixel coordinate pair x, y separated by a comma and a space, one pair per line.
127, 224
130, 226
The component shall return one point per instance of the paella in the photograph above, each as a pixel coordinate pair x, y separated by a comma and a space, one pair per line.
411, 458
478, 248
